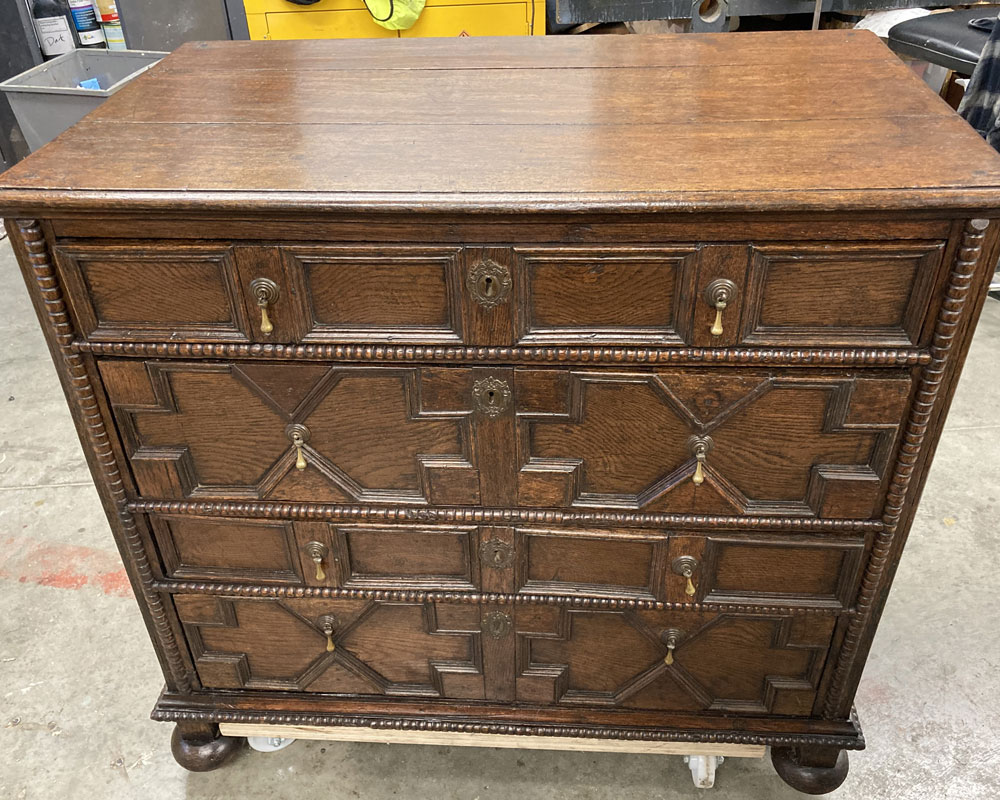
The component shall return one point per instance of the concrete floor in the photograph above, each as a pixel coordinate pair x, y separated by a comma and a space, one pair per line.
78, 677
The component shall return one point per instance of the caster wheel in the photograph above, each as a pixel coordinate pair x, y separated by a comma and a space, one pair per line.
268, 744
703, 769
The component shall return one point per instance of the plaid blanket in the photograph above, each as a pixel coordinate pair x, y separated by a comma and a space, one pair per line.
981, 104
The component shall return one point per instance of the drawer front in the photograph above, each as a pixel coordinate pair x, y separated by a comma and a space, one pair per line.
766, 570
230, 550
791, 294
615, 295
335, 646
662, 661
746, 442
626, 564
303, 553
841, 294
737, 569
296, 432
379, 294
155, 291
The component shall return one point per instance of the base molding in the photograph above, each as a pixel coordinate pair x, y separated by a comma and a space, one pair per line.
454, 739
845, 734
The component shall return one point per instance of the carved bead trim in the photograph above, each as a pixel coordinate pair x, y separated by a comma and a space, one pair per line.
914, 434
39, 259
573, 355
846, 742
471, 514
482, 598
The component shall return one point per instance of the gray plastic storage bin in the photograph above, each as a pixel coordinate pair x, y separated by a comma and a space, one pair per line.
47, 99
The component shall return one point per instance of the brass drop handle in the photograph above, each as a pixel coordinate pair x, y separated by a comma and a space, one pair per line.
300, 459
328, 624
671, 638
317, 552
685, 566
700, 447
719, 294
298, 434
265, 292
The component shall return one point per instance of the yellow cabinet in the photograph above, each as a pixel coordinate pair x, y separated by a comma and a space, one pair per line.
349, 19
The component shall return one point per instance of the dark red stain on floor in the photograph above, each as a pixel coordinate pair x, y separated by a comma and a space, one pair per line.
62, 566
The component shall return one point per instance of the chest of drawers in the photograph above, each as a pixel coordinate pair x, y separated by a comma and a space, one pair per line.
580, 387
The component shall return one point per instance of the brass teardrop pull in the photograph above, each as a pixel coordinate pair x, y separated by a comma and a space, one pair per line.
265, 292
300, 459
265, 320
719, 294
700, 447
328, 624
317, 552
298, 434
671, 638
685, 567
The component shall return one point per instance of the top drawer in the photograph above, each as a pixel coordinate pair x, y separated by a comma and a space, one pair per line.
794, 294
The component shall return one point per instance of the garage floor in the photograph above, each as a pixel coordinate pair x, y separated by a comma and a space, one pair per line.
72, 726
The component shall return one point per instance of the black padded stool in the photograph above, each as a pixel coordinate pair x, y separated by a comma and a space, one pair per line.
947, 39
944, 39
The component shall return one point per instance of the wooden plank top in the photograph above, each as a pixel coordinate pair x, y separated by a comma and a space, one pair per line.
717, 122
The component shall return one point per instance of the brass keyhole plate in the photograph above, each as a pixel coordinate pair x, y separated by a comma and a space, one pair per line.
496, 554
491, 396
497, 624
489, 283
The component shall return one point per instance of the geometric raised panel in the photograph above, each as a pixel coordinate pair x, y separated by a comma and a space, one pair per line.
831, 294
743, 664
621, 563
155, 291
796, 442
406, 557
772, 570
379, 293
405, 649
247, 550
621, 295
376, 434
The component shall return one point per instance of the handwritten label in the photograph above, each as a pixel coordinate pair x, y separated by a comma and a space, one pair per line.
53, 35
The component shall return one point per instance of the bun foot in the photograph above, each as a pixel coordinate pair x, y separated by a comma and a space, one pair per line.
812, 770
199, 747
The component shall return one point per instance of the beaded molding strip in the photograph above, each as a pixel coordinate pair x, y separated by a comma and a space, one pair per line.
871, 357
846, 742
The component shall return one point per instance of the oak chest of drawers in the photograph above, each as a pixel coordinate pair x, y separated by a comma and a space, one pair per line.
580, 387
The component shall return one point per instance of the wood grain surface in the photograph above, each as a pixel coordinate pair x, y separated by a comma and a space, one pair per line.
777, 119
